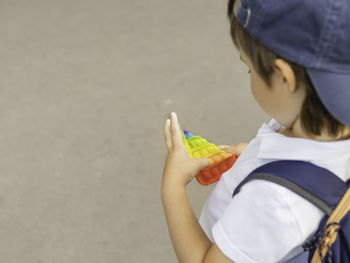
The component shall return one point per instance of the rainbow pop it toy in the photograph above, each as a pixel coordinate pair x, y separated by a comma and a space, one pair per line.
220, 161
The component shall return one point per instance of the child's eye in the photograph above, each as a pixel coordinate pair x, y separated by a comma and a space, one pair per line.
249, 72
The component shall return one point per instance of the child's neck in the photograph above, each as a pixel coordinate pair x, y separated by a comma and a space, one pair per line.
296, 131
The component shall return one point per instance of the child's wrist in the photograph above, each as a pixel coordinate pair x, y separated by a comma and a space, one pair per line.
171, 187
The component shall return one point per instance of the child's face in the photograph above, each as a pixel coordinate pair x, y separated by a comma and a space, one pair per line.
281, 100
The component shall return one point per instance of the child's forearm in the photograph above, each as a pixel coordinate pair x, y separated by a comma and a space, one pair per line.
189, 240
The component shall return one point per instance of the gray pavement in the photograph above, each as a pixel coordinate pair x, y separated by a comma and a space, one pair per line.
85, 87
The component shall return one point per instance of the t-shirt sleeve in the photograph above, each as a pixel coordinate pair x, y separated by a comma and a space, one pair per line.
257, 225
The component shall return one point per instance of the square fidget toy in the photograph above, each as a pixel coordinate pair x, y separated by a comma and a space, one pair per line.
220, 161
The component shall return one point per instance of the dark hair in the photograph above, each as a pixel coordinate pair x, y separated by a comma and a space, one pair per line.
314, 116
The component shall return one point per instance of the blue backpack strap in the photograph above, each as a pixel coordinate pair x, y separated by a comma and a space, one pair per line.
318, 185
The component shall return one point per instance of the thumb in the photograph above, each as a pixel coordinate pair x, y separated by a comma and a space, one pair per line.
203, 163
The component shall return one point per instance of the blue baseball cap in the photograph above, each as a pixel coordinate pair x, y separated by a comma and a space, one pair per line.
312, 33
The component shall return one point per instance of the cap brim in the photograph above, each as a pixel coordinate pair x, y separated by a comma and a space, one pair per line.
334, 91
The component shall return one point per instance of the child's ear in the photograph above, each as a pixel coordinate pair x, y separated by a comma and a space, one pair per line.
286, 73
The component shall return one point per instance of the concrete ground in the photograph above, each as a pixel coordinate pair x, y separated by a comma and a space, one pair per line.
85, 88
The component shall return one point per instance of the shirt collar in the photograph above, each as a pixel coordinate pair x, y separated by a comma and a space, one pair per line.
278, 146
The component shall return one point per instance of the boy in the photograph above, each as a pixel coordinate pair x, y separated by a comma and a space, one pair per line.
298, 53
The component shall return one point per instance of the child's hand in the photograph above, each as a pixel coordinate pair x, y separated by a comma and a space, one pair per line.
179, 167
234, 149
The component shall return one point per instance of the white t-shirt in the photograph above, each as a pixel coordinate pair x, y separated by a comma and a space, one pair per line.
266, 222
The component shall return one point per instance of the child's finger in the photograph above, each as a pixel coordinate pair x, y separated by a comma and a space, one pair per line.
167, 133
223, 147
176, 133
234, 149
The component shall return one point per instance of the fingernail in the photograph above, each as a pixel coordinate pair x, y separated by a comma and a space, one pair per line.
173, 115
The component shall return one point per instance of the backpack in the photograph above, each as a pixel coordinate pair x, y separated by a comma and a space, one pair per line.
331, 242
